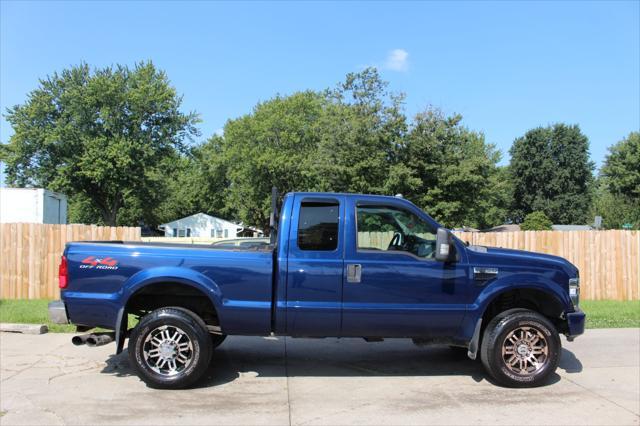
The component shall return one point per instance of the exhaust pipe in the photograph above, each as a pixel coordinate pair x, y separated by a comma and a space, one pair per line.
99, 339
80, 340
93, 339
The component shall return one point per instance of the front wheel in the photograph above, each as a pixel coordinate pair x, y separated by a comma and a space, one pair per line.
170, 348
520, 348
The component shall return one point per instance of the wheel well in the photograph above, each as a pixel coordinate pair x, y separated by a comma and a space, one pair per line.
527, 298
158, 295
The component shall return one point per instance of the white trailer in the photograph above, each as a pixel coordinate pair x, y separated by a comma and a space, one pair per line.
32, 205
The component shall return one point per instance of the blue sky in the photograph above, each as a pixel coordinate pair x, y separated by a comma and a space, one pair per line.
505, 66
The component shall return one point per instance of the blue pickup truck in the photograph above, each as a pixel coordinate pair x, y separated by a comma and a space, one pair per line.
338, 265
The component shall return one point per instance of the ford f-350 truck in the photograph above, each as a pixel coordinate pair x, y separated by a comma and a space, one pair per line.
339, 265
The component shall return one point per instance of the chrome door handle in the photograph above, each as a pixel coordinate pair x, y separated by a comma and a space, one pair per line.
354, 273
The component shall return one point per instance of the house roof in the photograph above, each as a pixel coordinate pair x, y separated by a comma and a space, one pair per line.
201, 216
507, 227
571, 227
250, 228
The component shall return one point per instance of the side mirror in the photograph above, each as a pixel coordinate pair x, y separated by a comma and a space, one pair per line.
445, 250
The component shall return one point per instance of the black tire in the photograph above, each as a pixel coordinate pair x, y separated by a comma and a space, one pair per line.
193, 344
217, 339
512, 341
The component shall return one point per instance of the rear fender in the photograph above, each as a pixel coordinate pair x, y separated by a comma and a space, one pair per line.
174, 275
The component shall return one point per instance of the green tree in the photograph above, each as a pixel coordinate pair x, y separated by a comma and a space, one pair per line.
361, 133
80, 209
105, 137
536, 221
447, 169
274, 145
617, 195
356, 138
343, 139
552, 173
622, 167
196, 184
614, 209
496, 198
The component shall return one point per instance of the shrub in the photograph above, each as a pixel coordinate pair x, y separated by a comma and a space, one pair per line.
536, 221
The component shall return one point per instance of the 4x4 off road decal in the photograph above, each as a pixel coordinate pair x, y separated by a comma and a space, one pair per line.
99, 263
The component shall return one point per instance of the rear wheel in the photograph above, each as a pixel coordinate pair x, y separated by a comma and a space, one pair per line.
520, 348
170, 348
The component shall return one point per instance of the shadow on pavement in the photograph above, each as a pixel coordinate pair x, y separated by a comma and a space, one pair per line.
569, 363
265, 357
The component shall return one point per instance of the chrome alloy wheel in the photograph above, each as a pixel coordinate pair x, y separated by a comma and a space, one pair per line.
525, 351
167, 350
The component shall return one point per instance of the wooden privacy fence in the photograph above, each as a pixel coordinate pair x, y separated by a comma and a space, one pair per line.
609, 261
30, 255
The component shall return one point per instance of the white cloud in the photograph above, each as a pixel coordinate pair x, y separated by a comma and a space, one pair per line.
219, 132
397, 60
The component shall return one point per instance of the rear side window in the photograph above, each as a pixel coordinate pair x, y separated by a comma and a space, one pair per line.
318, 226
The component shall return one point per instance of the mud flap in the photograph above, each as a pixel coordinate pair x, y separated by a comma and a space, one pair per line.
475, 340
121, 330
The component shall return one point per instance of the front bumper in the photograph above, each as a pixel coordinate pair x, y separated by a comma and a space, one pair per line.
58, 312
575, 323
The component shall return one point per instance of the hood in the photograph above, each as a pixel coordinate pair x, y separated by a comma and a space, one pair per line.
510, 257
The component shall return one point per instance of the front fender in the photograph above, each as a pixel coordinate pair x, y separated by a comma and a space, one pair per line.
516, 281
495, 288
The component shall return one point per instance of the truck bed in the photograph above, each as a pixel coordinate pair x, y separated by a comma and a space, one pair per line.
104, 275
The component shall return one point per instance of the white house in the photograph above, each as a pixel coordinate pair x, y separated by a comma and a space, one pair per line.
201, 225
32, 205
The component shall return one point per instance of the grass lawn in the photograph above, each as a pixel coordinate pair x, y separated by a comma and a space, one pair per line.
600, 314
611, 313
36, 312
30, 312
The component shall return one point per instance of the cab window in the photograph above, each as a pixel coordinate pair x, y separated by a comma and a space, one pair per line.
388, 228
318, 226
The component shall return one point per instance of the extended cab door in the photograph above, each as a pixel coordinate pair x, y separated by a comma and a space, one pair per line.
393, 286
315, 266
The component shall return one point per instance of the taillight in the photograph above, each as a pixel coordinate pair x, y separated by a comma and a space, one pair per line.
63, 273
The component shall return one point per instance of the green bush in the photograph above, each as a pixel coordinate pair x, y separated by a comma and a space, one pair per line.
536, 221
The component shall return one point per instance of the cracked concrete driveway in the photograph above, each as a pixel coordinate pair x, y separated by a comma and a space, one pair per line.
46, 380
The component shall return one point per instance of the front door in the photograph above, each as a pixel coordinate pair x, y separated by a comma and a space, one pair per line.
393, 286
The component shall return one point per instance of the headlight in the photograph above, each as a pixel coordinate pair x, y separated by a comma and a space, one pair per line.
574, 291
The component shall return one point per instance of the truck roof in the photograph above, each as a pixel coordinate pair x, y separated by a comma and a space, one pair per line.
346, 194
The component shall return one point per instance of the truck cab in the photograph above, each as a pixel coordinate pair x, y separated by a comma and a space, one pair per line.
339, 265
365, 266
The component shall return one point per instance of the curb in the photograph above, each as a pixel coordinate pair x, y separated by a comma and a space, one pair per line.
24, 328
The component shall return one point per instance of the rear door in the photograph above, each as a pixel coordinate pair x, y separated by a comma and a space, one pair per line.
315, 266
